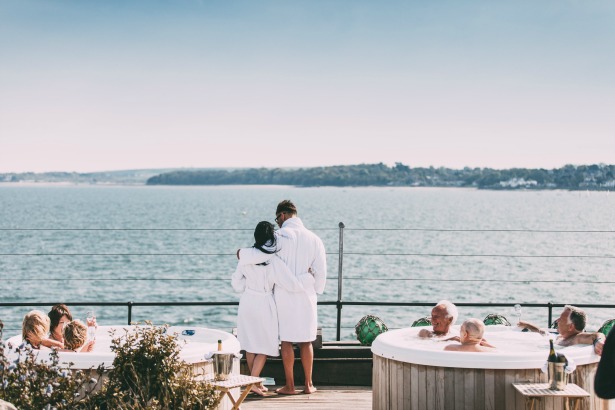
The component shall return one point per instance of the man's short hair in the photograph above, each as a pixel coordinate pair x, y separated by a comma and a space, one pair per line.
451, 310
75, 334
56, 313
286, 206
577, 317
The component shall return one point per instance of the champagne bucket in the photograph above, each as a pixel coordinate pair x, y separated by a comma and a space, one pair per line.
223, 365
557, 376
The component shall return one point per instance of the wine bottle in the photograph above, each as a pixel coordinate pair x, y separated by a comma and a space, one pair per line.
220, 346
552, 355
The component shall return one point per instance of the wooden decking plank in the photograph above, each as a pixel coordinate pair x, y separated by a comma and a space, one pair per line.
326, 398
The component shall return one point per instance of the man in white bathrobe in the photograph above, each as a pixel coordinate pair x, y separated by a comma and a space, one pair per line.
303, 252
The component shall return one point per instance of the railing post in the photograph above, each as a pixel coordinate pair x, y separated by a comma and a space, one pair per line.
550, 320
129, 313
340, 265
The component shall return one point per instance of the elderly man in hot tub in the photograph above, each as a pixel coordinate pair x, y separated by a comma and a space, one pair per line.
571, 326
443, 317
470, 338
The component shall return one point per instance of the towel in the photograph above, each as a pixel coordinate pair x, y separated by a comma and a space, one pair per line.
570, 366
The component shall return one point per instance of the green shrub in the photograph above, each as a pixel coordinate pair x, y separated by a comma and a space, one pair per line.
148, 374
31, 384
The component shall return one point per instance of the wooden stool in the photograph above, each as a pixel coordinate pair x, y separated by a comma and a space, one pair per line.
534, 391
233, 382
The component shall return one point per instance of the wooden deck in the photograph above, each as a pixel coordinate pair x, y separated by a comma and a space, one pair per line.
326, 398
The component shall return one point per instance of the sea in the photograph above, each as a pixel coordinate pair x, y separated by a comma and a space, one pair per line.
95, 243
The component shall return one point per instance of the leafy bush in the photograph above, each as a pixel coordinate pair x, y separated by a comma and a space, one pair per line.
29, 384
148, 374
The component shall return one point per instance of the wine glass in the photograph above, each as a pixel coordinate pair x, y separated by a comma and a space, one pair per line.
517, 308
90, 320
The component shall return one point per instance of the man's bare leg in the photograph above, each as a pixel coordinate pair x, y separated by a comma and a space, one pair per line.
288, 360
307, 360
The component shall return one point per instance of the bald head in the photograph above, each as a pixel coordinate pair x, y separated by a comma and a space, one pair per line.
474, 328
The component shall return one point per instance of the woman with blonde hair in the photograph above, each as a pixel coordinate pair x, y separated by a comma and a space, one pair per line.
35, 329
75, 334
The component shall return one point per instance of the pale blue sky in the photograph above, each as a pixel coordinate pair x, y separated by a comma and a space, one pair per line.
104, 85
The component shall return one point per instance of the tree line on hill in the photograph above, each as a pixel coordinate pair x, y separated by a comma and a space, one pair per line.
572, 177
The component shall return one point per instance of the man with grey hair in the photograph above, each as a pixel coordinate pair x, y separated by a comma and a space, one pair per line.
443, 316
571, 329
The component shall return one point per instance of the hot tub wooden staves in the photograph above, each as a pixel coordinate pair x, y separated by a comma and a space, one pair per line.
407, 386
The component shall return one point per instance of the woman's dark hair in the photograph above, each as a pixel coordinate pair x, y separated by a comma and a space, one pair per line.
56, 313
264, 235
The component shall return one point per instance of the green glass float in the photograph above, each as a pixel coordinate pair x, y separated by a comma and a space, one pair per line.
495, 319
607, 326
368, 328
424, 321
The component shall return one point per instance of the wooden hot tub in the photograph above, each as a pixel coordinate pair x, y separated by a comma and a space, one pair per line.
414, 373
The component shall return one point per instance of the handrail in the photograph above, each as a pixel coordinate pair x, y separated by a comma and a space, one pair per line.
339, 303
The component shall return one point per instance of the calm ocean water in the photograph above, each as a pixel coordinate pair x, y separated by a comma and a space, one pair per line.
386, 260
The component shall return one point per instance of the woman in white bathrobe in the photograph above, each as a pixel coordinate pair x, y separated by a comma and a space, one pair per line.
257, 317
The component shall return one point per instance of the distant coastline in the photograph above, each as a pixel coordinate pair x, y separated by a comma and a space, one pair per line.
569, 177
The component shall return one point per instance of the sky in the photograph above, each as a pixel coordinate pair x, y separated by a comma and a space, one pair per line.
109, 85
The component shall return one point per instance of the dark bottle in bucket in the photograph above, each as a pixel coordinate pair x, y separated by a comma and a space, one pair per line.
556, 365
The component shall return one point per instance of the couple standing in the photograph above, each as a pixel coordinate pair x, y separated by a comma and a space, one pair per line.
280, 277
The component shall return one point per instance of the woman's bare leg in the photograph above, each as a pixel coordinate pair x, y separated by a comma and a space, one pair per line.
250, 361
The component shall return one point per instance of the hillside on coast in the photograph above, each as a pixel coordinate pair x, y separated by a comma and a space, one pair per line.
571, 177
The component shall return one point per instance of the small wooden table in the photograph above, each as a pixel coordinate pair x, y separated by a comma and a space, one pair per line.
534, 391
234, 381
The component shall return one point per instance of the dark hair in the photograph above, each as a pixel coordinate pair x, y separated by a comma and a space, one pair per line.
577, 317
286, 206
264, 235
56, 313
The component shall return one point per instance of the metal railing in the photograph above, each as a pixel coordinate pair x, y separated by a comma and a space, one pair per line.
339, 303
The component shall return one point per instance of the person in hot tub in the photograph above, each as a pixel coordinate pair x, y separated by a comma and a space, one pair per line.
75, 335
471, 338
59, 316
571, 326
443, 316
35, 328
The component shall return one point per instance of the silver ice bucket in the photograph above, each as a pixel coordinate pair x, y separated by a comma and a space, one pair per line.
557, 376
223, 365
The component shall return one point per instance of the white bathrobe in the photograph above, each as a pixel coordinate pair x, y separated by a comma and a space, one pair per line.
304, 254
257, 317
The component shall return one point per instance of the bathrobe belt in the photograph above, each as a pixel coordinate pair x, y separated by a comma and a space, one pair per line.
258, 292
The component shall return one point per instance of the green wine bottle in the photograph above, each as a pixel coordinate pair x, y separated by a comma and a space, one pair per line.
552, 355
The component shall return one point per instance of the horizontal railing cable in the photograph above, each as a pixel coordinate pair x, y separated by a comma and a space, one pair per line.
320, 303
144, 229
126, 254
484, 230
325, 229
442, 255
478, 255
97, 279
